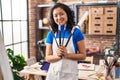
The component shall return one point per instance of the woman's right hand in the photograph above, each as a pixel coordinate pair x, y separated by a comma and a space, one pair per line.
59, 52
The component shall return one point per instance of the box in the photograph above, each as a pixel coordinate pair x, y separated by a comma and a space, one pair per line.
96, 10
111, 10
109, 28
110, 17
96, 28
97, 17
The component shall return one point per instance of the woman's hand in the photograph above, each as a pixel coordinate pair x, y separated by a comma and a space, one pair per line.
62, 51
59, 52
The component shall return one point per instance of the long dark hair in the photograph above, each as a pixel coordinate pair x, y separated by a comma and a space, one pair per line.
70, 15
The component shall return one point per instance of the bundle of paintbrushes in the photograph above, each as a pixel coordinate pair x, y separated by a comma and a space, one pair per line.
110, 62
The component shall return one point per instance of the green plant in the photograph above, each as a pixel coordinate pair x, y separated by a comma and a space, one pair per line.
17, 63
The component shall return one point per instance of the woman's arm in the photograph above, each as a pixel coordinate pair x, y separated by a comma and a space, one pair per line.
81, 55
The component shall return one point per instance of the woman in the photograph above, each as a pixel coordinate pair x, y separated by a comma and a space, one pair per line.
62, 50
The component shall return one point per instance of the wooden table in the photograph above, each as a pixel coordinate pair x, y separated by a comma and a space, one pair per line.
35, 70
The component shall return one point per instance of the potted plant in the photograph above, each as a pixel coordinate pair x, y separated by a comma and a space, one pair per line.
17, 63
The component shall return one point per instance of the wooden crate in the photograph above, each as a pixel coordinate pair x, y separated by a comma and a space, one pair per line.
97, 17
96, 28
96, 10
111, 10
109, 28
110, 17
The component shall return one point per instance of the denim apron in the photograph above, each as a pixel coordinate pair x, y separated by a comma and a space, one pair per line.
64, 69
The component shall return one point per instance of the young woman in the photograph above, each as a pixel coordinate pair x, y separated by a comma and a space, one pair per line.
64, 44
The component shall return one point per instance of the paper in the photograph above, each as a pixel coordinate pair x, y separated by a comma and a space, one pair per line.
85, 66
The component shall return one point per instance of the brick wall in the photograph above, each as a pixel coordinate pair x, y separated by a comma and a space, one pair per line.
91, 41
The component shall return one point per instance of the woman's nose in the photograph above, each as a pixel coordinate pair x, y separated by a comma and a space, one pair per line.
59, 16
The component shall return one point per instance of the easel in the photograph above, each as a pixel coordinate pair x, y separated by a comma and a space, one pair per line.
5, 72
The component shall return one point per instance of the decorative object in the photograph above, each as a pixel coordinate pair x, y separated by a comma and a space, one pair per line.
40, 23
111, 59
110, 62
45, 21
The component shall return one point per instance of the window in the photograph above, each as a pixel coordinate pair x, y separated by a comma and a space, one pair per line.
13, 25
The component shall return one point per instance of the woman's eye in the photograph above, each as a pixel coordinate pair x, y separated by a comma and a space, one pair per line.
55, 15
60, 14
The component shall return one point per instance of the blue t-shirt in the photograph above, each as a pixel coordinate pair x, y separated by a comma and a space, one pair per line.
77, 36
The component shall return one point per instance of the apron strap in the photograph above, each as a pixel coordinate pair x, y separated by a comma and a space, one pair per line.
70, 36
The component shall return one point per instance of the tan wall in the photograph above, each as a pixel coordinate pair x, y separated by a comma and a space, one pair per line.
91, 41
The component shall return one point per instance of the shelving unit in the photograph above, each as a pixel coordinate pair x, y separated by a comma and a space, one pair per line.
40, 14
91, 4
41, 29
101, 15
76, 9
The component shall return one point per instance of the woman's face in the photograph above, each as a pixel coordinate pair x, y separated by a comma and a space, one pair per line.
60, 16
